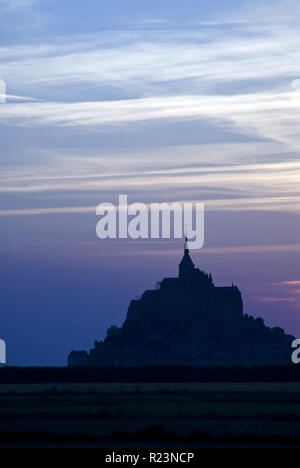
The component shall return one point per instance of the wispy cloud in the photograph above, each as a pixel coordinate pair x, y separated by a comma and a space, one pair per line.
291, 283
269, 115
241, 79
276, 182
144, 62
47, 211
256, 204
274, 299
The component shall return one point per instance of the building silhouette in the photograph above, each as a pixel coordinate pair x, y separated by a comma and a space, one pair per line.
187, 320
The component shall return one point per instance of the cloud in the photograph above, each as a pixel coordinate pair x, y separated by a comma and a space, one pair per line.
284, 204
242, 78
269, 115
239, 78
138, 60
291, 283
47, 211
196, 172
274, 299
139, 63
265, 178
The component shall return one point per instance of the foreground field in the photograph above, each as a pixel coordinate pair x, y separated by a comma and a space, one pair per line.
112, 413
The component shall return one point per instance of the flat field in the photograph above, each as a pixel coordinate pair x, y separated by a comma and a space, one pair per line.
180, 414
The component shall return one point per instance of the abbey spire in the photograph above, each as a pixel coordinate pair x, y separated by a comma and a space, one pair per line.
186, 265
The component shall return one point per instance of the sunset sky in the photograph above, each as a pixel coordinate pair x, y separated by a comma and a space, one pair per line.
162, 100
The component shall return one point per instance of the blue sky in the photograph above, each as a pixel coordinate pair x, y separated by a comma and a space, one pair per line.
163, 101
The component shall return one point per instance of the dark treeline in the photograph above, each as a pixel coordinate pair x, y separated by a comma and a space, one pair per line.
145, 374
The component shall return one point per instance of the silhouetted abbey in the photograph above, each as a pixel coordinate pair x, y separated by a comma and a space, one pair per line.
188, 321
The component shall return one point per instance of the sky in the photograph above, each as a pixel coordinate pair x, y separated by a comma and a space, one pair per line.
161, 100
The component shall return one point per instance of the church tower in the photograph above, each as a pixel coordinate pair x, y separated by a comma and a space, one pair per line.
186, 266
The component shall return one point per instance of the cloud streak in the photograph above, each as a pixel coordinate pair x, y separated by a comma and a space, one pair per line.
277, 183
243, 79
267, 115
285, 204
137, 60
274, 299
196, 73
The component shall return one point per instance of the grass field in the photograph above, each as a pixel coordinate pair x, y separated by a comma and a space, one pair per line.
138, 414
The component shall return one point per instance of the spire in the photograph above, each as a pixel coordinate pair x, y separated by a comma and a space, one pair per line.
186, 265
186, 246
